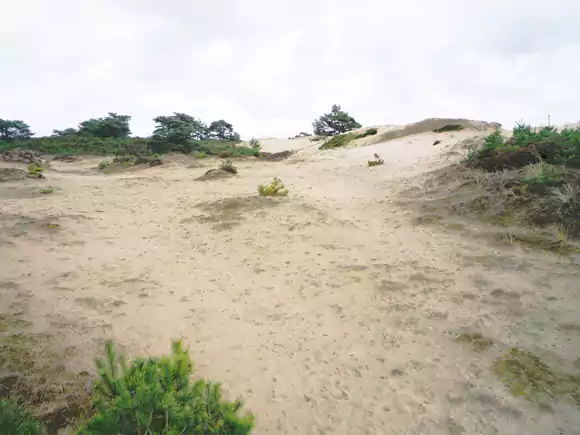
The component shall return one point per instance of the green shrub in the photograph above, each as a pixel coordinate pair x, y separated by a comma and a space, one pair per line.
46, 190
275, 188
337, 141
449, 127
543, 174
377, 161
200, 155
528, 146
158, 396
228, 166
254, 144
369, 132
15, 420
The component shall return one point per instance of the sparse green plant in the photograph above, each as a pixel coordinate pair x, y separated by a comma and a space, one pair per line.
337, 141
275, 188
200, 155
228, 166
157, 396
369, 132
46, 190
377, 161
15, 420
255, 144
34, 168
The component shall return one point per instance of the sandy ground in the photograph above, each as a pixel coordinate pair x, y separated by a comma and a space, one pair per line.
328, 311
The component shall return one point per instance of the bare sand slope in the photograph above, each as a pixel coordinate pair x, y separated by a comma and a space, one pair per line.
329, 311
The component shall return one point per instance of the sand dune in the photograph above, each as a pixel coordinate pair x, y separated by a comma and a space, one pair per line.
329, 311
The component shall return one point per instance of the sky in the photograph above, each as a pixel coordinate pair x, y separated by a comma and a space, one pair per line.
271, 67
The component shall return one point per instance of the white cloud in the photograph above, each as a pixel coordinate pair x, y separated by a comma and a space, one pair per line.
271, 67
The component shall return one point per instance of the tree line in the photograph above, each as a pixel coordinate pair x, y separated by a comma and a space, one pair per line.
176, 132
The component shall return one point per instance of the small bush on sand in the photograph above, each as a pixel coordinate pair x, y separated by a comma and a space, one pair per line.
200, 155
46, 190
377, 161
228, 166
104, 164
254, 144
275, 188
15, 420
369, 132
337, 141
449, 127
158, 396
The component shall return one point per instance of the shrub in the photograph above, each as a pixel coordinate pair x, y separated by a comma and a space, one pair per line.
369, 132
224, 154
46, 190
377, 161
254, 144
337, 141
528, 146
104, 164
448, 127
228, 166
158, 396
200, 155
543, 174
275, 188
15, 420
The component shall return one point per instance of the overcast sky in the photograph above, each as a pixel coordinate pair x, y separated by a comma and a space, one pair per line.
270, 67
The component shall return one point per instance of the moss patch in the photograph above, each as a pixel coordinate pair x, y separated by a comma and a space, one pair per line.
526, 375
476, 340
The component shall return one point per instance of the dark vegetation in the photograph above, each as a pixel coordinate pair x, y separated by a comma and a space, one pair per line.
369, 132
526, 185
449, 127
146, 396
110, 135
334, 123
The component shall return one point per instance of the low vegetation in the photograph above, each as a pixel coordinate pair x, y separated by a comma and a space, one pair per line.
528, 376
526, 185
46, 190
146, 396
366, 133
15, 420
337, 141
377, 161
228, 166
35, 171
448, 127
476, 340
275, 188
